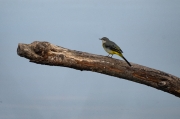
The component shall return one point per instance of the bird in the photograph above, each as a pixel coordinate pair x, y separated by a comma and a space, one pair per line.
112, 48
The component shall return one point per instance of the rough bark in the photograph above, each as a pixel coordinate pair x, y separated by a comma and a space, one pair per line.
49, 54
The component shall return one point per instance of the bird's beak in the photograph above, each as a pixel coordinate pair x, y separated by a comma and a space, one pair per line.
100, 39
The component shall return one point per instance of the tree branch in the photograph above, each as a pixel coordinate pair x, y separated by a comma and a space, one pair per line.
49, 54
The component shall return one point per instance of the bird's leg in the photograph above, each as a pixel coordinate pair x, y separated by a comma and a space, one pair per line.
109, 55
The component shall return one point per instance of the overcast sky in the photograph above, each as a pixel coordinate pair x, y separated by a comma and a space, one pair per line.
148, 31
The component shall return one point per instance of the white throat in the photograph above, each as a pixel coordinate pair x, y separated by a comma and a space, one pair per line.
103, 41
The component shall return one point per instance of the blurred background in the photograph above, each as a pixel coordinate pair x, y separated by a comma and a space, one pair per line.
148, 31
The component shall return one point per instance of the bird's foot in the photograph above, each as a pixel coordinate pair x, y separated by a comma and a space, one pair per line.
110, 56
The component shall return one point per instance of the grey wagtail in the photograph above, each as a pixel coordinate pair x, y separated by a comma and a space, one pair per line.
111, 48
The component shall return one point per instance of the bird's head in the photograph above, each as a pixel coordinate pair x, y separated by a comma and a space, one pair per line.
104, 39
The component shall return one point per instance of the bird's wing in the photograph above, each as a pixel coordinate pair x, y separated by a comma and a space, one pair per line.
112, 46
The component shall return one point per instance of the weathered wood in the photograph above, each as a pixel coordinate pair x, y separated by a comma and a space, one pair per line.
49, 54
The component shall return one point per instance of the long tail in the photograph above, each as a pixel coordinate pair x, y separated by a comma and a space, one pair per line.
125, 59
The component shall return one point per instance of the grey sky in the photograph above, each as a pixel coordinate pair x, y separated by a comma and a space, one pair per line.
148, 32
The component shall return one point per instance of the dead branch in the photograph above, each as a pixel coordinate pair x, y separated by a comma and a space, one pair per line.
49, 54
